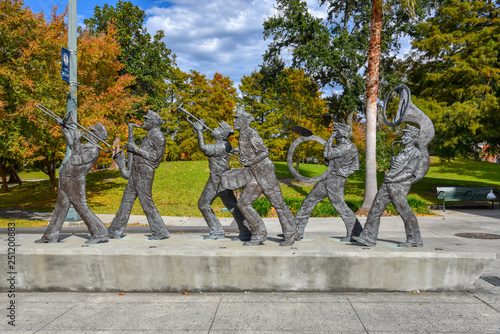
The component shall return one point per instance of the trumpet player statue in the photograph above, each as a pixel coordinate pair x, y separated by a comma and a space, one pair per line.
72, 183
218, 160
254, 155
345, 160
142, 162
395, 188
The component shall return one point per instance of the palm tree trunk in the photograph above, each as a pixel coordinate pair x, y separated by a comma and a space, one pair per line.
372, 80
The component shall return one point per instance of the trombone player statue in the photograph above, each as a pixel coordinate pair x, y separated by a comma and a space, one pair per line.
142, 162
72, 180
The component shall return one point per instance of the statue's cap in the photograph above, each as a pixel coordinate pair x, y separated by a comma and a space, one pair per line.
100, 131
414, 131
344, 129
228, 130
241, 113
154, 116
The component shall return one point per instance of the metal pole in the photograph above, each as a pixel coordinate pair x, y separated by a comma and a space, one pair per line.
71, 97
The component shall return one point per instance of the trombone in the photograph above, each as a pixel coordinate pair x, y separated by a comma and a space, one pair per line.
85, 131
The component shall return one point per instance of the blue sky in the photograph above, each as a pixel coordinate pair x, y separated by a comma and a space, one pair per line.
208, 36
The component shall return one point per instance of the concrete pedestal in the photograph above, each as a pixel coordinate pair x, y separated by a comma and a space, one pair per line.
186, 262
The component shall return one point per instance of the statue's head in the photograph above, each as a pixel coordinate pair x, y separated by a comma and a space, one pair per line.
242, 119
342, 129
100, 131
223, 132
152, 119
410, 134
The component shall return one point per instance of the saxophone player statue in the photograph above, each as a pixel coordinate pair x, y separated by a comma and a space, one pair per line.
141, 162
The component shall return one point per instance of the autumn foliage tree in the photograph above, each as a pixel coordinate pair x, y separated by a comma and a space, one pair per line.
35, 78
210, 99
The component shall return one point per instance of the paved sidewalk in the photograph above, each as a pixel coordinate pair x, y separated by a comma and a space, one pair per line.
475, 311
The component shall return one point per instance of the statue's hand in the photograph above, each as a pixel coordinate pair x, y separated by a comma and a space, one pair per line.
245, 162
198, 125
131, 147
78, 134
235, 151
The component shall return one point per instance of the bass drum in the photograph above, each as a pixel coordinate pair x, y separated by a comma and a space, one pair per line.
289, 160
236, 178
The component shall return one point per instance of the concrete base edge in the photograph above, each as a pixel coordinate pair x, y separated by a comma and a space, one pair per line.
189, 263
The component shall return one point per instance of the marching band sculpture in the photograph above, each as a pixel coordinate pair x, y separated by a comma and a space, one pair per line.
142, 162
218, 161
72, 178
342, 160
256, 177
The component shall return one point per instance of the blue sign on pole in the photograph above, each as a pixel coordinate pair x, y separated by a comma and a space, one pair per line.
65, 64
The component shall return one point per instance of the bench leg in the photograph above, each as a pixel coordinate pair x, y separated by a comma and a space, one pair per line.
444, 205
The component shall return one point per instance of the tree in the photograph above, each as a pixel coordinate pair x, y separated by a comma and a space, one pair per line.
455, 72
290, 99
33, 65
146, 58
397, 12
210, 99
332, 52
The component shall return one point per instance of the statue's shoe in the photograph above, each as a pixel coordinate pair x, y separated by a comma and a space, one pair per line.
364, 241
115, 236
100, 240
159, 237
46, 241
254, 242
214, 237
411, 244
289, 241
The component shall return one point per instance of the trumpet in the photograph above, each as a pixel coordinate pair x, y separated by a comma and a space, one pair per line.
86, 133
190, 119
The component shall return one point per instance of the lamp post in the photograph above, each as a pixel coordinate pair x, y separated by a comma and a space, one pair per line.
71, 97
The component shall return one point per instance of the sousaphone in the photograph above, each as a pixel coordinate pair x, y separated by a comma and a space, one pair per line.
408, 113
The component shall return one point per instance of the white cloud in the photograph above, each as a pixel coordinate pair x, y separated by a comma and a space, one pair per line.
222, 36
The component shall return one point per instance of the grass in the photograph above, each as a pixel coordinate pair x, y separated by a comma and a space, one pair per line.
179, 184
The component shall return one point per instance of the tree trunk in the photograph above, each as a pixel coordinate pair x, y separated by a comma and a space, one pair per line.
14, 177
372, 79
3, 171
51, 172
116, 148
297, 164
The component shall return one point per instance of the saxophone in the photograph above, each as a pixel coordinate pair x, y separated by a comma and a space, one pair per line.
125, 164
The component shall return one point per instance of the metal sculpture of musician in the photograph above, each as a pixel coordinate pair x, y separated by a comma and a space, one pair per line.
260, 178
407, 167
72, 182
344, 159
142, 162
218, 159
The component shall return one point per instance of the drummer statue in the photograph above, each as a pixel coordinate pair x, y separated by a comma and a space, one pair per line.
343, 160
218, 161
254, 155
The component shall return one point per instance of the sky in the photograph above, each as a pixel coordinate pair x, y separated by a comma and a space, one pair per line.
208, 36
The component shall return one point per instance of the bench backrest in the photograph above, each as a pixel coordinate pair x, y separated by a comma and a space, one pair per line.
463, 192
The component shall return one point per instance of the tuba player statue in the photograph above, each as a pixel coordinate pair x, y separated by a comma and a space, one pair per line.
146, 159
395, 188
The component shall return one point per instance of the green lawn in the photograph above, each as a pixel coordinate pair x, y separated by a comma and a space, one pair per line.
179, 184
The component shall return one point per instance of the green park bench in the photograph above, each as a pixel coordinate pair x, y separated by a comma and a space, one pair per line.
464, 194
